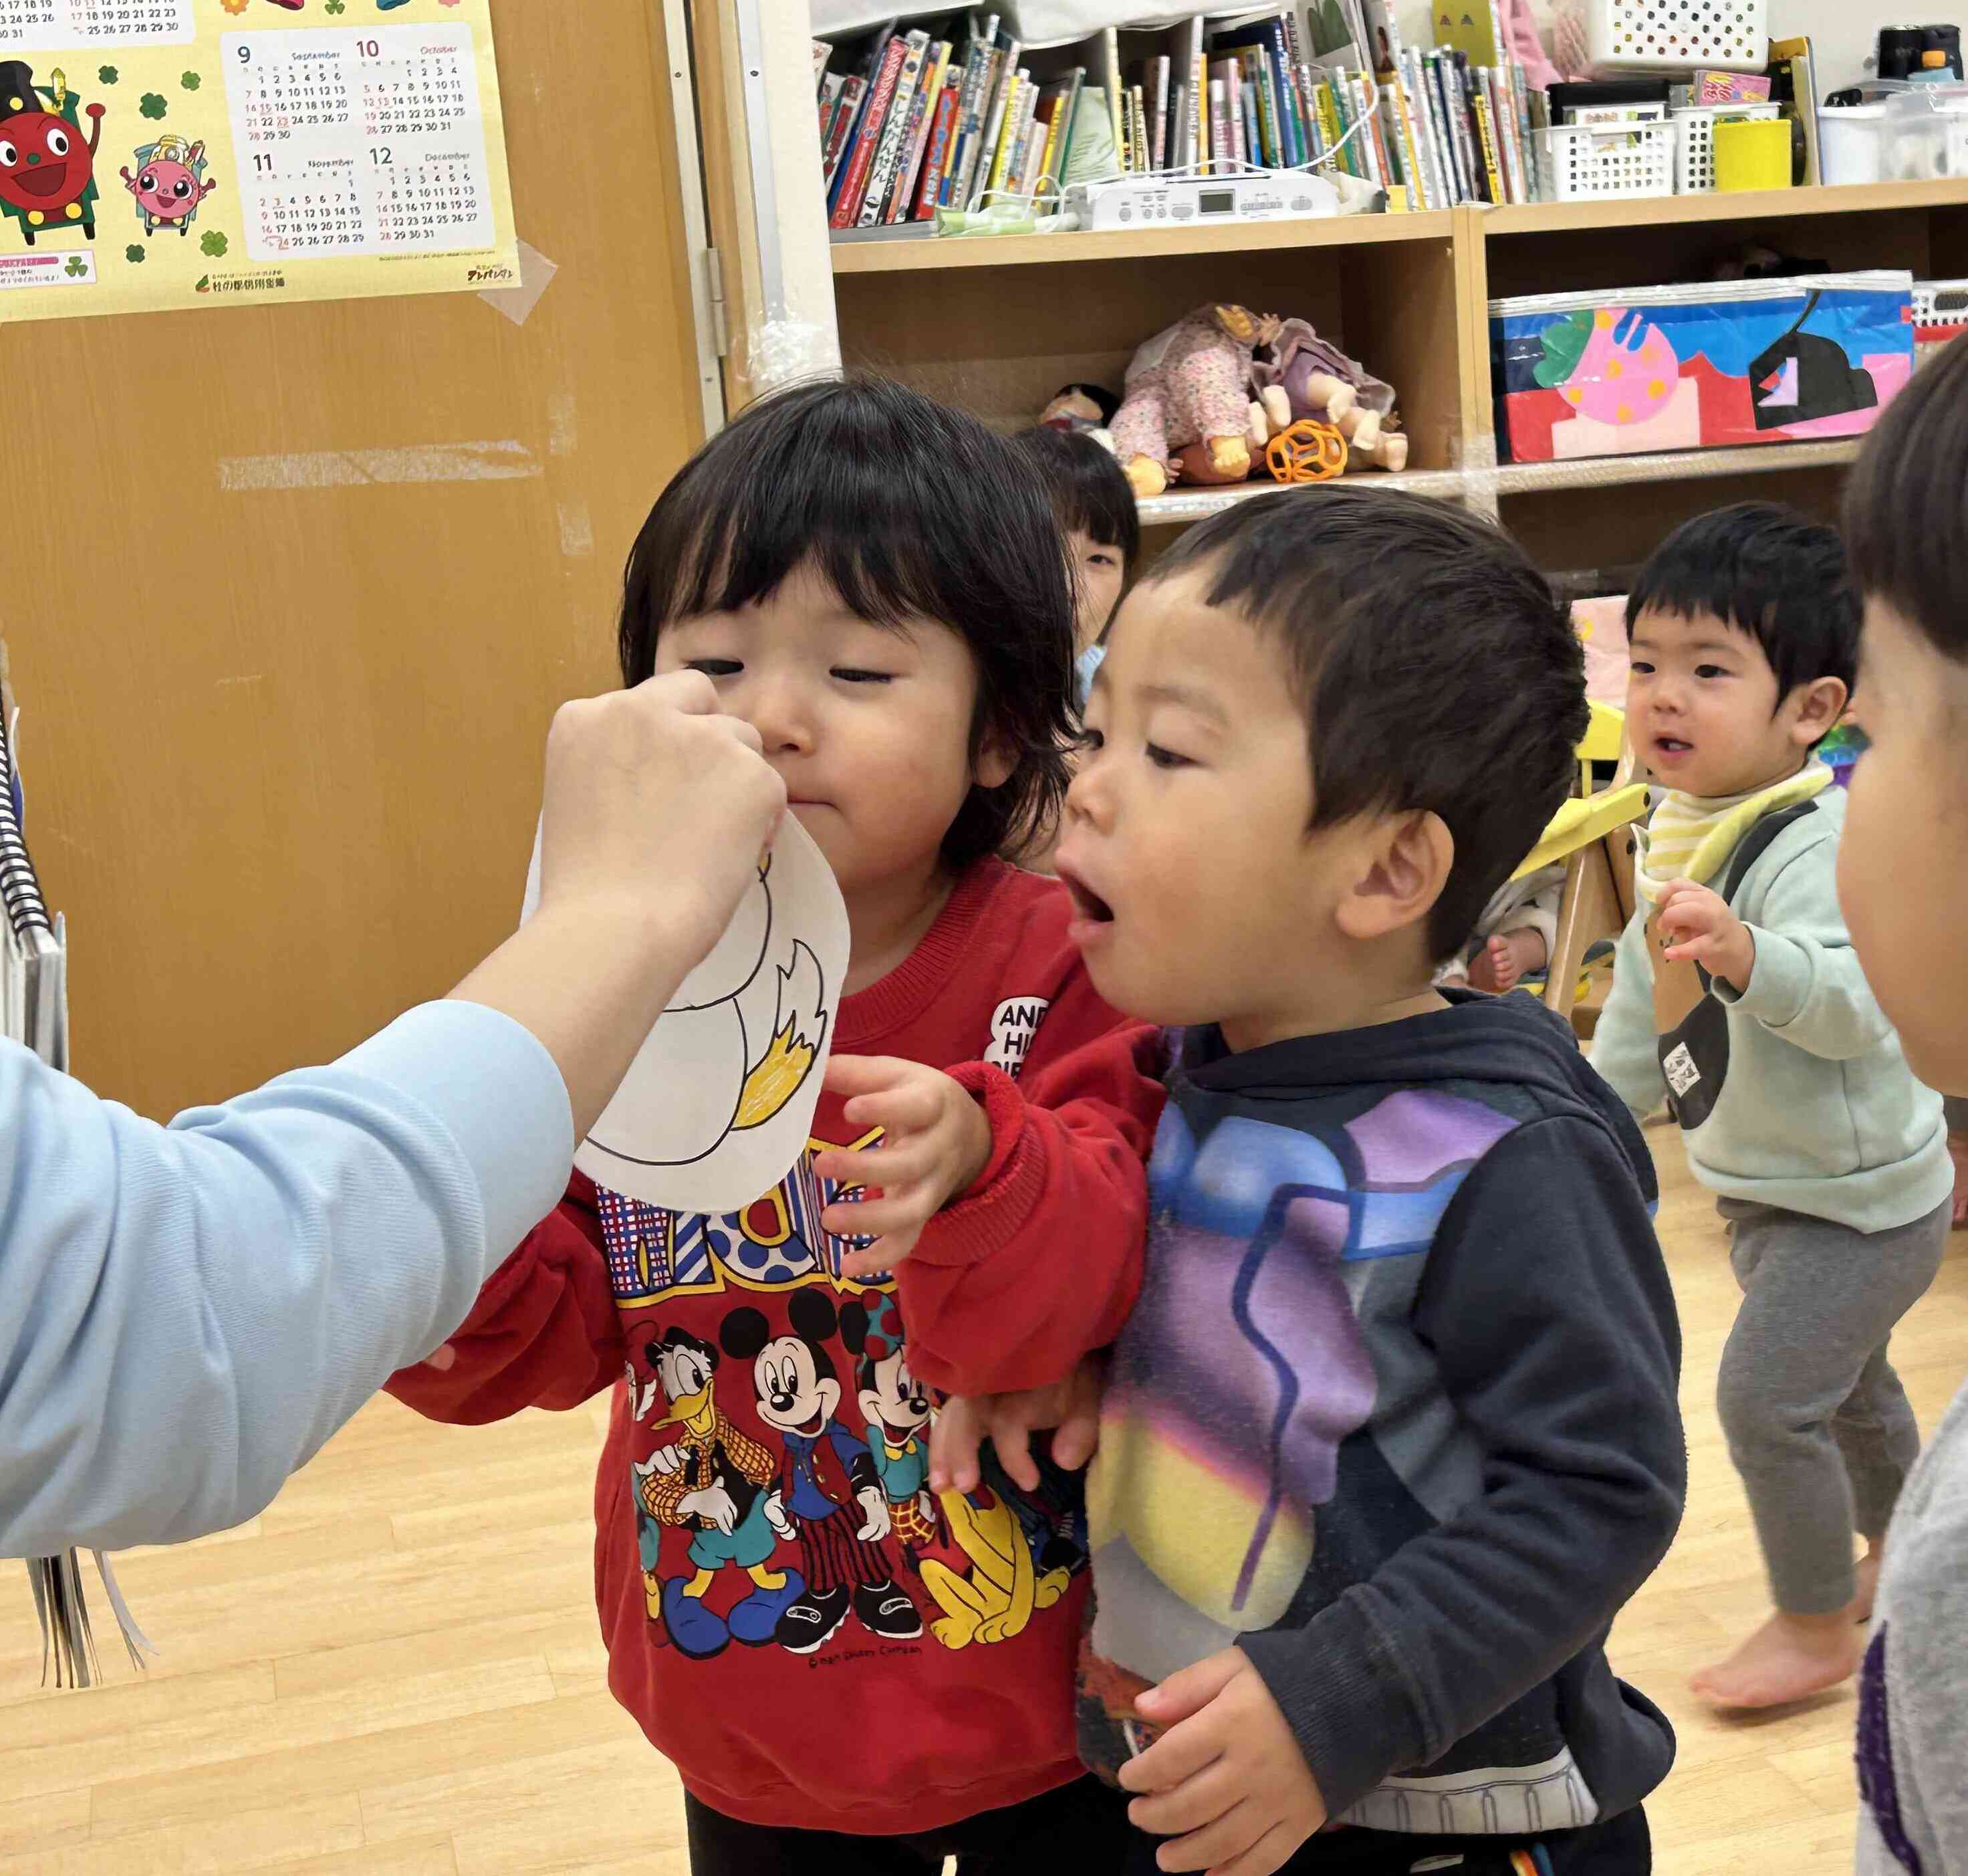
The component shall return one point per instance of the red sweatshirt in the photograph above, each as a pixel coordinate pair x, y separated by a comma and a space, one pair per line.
809, 1635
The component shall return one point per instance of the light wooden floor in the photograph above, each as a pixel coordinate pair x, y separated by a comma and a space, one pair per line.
395, 1670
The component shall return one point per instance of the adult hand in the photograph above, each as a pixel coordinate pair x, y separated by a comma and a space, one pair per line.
658, 810
657, 802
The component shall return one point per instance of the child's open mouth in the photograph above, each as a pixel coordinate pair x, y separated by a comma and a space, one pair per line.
1671, 749
1091, 913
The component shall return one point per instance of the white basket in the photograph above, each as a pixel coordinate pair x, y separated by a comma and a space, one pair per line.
1677, 35
1926, 309
1695, 142
1594, 162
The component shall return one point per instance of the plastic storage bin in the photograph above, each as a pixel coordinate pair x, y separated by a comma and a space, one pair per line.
1695, 141
1674, 35
1926, 133
1593, 162
1940, 317
1900, 133
1852, 142
1715, 365
1941, 302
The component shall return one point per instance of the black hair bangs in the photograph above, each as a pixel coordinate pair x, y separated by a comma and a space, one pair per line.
1090, 491
1765, 570
734, 541
911, 511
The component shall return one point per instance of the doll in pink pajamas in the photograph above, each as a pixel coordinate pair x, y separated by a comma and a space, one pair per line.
1191, 384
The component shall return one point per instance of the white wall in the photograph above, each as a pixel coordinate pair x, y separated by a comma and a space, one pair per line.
1844, 33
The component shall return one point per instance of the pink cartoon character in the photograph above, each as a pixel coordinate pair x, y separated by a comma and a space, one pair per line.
169, 183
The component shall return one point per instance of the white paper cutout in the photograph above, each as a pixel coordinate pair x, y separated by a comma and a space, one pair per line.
718, 1104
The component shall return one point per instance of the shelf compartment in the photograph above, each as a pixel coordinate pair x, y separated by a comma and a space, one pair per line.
1000, 348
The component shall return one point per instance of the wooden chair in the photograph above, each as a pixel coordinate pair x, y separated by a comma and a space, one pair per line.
1589, 834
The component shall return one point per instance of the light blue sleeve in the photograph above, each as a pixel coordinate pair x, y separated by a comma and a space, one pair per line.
1807, 985
187, 1314
1625, 1050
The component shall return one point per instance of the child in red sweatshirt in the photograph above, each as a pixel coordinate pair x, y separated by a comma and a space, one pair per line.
828, 1651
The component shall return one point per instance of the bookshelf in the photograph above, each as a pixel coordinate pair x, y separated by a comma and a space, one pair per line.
995, 251
1762, 205
995, 324
1610, 512
1179, 506
1675, 465
1000, 336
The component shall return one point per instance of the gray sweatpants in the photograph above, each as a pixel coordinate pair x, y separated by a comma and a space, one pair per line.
1816, 1421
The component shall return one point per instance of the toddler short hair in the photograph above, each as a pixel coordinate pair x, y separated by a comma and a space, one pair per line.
1436, 670
1088, 489
909, 510
1765, 570
1906, 506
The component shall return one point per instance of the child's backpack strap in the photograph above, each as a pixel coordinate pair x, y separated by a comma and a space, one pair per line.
1694, 1040
1757, 842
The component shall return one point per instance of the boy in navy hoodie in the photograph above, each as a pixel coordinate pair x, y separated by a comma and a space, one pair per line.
1392, 1434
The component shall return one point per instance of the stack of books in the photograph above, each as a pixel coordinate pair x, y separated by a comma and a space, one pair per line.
1208, 100
918, 123
1463, 117
1466, 133
959, 115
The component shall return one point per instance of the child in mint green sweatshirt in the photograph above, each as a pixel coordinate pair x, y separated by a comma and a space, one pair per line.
1738, 998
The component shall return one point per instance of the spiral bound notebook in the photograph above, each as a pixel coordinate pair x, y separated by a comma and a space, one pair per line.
33, 1011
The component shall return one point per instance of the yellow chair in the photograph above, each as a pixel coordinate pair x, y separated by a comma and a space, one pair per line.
1588, 835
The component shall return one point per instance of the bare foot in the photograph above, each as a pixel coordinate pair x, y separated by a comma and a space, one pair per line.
1789, 1658
1504, 963
1957, 1150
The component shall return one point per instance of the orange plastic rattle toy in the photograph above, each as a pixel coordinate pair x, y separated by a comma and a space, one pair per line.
1307, 451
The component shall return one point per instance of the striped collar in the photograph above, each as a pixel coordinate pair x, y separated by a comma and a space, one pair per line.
1689, 837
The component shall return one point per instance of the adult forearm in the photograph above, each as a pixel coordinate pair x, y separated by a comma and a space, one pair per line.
589, 983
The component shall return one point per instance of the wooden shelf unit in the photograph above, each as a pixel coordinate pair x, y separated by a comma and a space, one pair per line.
996, 324
999, 334
1182, 506
913, 256
1611, 512
1545, 218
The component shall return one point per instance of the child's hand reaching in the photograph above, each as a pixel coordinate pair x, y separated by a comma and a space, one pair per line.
936, 1143
1008, 1420
1704, 929
1226, 1781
